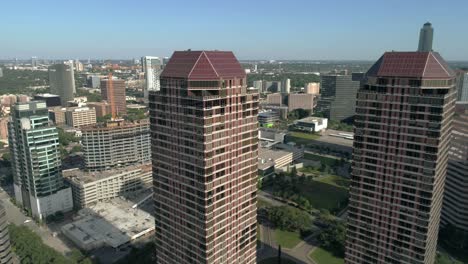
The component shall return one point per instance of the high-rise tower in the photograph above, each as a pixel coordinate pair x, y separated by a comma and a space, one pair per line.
38, 181
62, 82
425, 37
6, 257
402, 130
204, 150
152, 67
113, 91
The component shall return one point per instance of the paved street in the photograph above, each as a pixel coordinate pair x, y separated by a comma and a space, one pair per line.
15, 216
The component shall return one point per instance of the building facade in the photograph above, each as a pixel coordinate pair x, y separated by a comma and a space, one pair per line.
425, 37
92, 187
37, 174
462, 86
57, 115
401, 141
62, 82
337, 97
51, 100
6, 257
301, 101
204, 146
115, 96
275, 99
455, 209
101, 108
116, 144
312, 88
80, 116
152, 67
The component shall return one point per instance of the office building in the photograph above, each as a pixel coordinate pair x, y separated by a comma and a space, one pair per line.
91, 187
425, 37
462, 86
303, 101
6, 257
281, 110
80, 116
402, 130
268, 118
204, 150
152, 67
93, 81
1, 72
62, 82
337, 96
116, 144
51, 100
275, 99
455, 208
101, 108
37, 172
312, 88
4, 129
34, 62
113, 91
78, 66
57, 115
286, 86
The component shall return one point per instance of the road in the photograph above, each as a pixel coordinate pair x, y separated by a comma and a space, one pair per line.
16, 216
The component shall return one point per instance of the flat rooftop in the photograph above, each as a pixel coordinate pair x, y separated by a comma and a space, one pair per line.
311, 119
267, 157
83, 177
111, 223
328, 137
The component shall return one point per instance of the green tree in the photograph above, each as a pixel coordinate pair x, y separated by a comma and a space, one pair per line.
333, 238
289, 218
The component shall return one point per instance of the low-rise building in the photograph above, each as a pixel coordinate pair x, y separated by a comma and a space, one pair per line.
275, 99
102, 108
57, 115
311, 124
270, 159
91, 187
301, 101
281, 110
52, 100
268, 118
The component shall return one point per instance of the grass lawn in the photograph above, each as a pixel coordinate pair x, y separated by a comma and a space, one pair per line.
321, 256
287, 239
323, 160
326, 192
274, 260
262, 203
446, 250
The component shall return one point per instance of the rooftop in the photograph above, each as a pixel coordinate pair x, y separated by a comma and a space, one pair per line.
47, 95
311, 119
203, 65
83, 177
111, 223
429, 65
267, 157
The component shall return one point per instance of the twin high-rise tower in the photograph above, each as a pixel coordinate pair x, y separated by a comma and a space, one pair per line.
204, 150
402, 130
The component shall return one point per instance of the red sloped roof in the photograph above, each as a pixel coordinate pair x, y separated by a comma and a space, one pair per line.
411, 64
203, 65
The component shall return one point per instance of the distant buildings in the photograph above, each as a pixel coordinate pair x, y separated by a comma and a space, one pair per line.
462, 86
3, 129
115, 96
101, 108
152, 67
425, 37
272, 86
34, 62
337, 97
51, 100
62, 82
116, 144
455, 209
402, 130
34, 146
204, 160
1, 72
6, 257
301, 101
78, 66
312, 88
258, 85
80, 116
94, 81
57, 115
286, 86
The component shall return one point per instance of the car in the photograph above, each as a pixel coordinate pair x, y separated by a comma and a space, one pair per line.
27, 221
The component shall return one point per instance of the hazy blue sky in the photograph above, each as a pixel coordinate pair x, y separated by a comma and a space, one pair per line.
253, 29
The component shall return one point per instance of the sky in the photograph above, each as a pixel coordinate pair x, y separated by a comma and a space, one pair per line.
252, 29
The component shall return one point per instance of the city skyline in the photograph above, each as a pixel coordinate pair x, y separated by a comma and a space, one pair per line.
300, 31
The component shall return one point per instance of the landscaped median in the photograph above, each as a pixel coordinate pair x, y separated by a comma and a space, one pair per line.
322, 256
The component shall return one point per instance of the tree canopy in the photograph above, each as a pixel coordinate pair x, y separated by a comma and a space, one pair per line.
289, 218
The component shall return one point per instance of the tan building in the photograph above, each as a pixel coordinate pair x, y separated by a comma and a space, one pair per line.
92, 187
102, 108
57, 115
304, 101
312, 88
3, 128
275, 99
116, 96
80, 116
